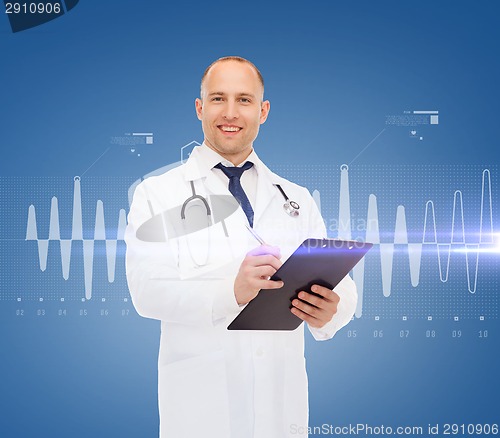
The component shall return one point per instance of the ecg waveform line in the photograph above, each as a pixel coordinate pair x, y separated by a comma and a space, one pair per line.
77, 235
429, 237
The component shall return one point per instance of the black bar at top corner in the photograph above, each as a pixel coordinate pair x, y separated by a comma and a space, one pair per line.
70, 4
33, 13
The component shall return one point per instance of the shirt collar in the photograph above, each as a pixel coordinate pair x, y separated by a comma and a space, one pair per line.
203, 159
210, 158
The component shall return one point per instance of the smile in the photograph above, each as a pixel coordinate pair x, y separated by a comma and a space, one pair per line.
229, 128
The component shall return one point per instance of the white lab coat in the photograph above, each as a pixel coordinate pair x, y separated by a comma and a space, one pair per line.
214, 382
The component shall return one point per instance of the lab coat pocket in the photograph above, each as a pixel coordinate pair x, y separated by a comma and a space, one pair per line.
193, 397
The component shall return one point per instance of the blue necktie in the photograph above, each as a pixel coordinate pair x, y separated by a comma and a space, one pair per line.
234, 175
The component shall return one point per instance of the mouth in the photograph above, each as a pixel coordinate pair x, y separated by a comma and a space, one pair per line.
229, 129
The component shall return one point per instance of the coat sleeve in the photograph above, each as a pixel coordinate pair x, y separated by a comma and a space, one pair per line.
155, 286
346, 289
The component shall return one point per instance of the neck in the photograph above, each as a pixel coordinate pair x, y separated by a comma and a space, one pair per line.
236, 158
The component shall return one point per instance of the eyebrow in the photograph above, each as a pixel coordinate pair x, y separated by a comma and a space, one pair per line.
220, 93
246, 95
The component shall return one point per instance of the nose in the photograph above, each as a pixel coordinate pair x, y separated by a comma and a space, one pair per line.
230, 111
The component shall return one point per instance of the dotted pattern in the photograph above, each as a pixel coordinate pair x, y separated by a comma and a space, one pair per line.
412, 186
21, 277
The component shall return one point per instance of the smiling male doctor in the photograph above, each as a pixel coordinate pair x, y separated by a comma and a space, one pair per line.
214, 382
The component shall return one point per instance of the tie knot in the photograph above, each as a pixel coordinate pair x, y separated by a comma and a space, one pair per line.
234, 172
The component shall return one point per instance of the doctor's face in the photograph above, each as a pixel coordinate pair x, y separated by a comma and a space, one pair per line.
231, 109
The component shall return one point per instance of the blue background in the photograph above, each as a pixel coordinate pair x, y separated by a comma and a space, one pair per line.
333, 71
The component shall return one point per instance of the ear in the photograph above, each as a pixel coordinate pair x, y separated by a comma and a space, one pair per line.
199, 107
264, 111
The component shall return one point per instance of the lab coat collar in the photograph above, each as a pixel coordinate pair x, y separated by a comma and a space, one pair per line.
202, 160
266, 190
199, 166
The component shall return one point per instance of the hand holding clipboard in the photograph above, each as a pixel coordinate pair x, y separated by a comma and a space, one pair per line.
322, 262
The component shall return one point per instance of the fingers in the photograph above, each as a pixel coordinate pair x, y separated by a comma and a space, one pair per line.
259, 278
313, 300
271, 284
262, 260
316, 310
310, 303
255, 271
312, 315
246, 287
265, 249
326, 294
306, 308
264, 272
312, 321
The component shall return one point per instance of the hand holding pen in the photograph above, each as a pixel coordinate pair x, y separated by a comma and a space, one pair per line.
258, 266
316, 308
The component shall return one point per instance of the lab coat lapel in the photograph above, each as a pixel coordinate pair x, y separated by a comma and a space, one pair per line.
196, 171
212, 186
266, 191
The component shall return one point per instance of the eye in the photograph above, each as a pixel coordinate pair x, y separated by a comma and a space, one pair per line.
216, 99
244, 100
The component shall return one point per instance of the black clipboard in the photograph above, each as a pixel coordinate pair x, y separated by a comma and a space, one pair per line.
317, 261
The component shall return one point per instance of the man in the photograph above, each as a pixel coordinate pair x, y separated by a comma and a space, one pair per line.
214, 382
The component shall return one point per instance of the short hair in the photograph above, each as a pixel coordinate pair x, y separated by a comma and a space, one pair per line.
232, 58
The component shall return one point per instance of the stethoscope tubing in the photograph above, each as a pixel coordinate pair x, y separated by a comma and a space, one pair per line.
290, 207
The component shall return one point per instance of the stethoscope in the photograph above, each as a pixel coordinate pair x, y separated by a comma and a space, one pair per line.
291, 207
192, 198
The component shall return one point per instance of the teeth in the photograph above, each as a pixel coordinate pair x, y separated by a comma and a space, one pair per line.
230, 128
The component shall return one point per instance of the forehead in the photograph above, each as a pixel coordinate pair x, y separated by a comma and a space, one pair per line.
232, 76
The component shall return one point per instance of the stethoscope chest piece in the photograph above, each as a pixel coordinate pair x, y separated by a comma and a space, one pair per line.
292, 208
